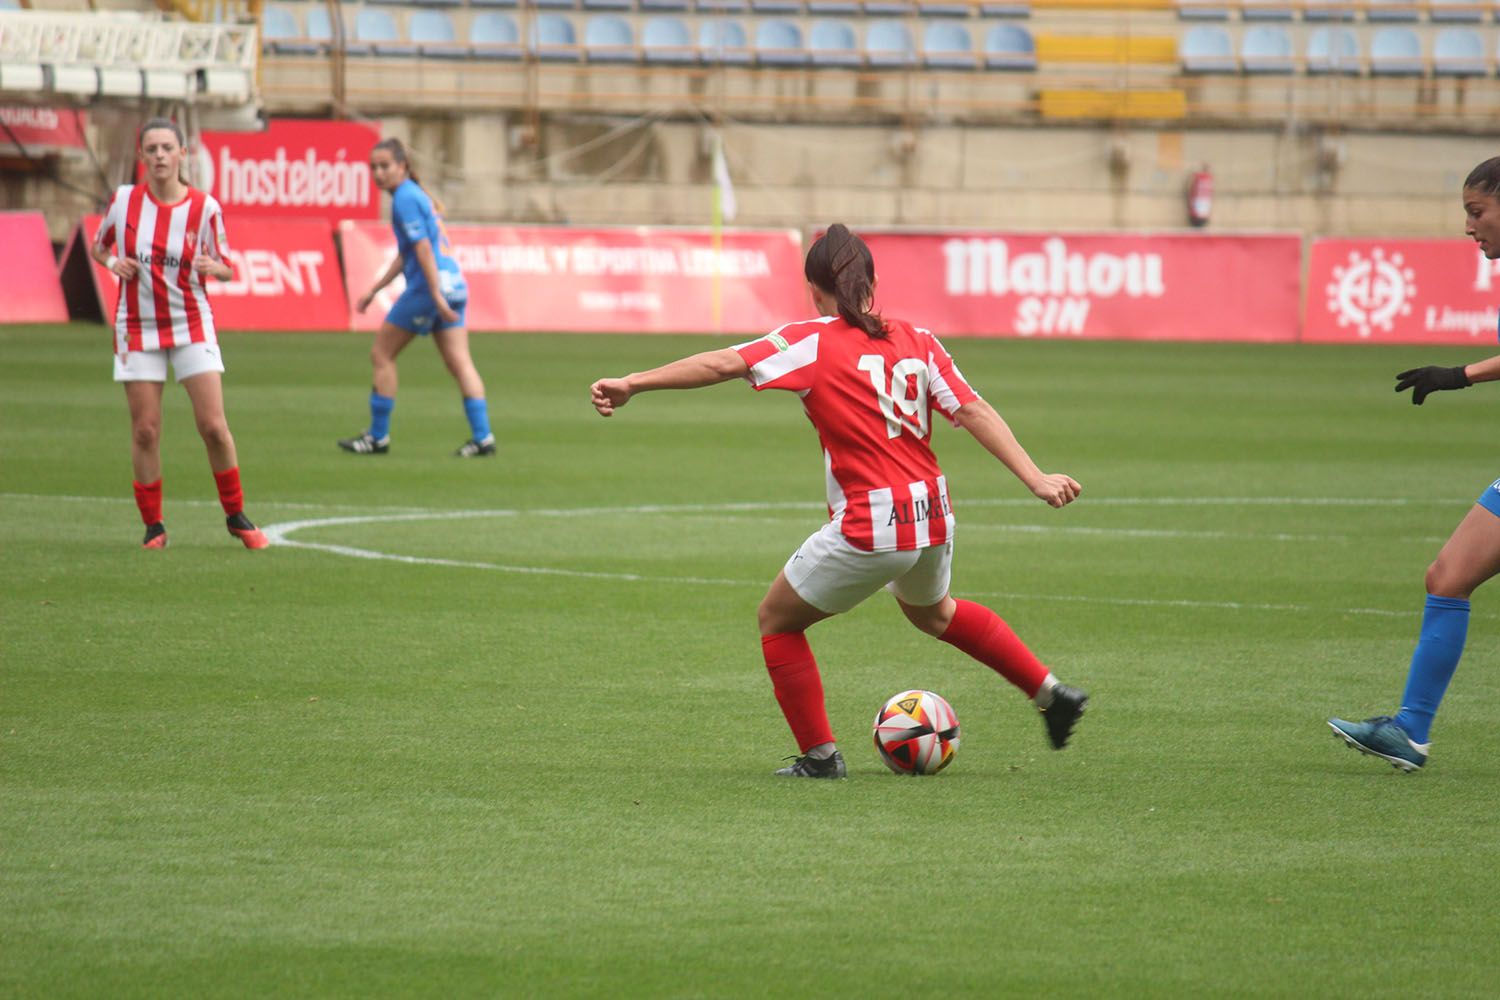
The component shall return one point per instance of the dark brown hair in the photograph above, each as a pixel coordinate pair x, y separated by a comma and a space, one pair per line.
840, 264
1485, 178
156, 123
397, 149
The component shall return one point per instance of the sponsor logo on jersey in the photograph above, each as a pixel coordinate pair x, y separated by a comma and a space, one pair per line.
917, 510
779, 342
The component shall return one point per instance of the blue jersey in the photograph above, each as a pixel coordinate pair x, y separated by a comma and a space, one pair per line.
414, 220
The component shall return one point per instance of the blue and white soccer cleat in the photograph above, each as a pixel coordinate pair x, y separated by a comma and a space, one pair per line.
1382, 737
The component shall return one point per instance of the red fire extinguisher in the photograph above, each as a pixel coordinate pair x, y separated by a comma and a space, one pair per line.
1200, 196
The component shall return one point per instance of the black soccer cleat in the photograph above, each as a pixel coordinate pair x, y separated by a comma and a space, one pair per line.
476, 449
156, 536
366, 445
811, 767
1063, 714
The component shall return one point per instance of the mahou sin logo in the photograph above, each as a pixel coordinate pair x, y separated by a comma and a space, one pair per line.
293, 169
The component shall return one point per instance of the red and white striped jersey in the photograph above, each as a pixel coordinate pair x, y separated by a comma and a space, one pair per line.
871, 402
165, 305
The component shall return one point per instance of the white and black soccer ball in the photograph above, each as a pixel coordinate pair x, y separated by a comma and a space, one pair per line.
916, 732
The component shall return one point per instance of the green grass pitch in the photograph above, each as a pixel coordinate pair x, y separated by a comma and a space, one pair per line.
501, 728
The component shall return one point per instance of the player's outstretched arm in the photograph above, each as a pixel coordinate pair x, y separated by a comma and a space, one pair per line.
1434, 378
708, 368
990, 430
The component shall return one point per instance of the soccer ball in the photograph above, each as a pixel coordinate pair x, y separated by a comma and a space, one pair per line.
916, 732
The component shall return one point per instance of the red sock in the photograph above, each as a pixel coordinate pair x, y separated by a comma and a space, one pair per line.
799, 688
148, 499
231, 497
982, 634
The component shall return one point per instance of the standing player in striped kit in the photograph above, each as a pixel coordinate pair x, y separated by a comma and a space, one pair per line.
869, 384
169, 238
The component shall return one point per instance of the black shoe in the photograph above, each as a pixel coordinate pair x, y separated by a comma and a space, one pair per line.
811, 767
156, 536
366, 445
476, 449
1062, 715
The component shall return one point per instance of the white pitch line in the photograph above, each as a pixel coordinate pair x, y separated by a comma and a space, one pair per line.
1151, 602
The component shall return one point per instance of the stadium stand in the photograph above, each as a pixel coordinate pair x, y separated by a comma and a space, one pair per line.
723, 42
609, 38
889, 45
1009, 47
1333, 50
666, 40
1396, 52
375, 34
433, 34
832, 43
778, 42
493, 35
947, 45
552, 38
1206, 48
1459, 52
1266, 48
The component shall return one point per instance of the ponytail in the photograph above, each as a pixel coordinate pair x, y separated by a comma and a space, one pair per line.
397, 150
840, 264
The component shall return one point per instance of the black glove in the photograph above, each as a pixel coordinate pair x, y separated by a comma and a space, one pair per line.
1421, 381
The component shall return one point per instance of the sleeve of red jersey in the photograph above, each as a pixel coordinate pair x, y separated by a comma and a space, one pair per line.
104, 237
784, 358
217, 236
946, 385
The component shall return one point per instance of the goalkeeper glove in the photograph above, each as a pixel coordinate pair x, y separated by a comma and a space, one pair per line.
1422, 381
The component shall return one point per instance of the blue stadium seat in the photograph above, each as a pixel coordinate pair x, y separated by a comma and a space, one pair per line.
1265, 10
1266, 49
1009, 46
1327, 10
1460, 11
723, 43
375, 32
779, 43
1391, 10
280, 34
832, 43
1396, 52
552, 38
888, 45
494, 36
667, 40
1333, 50
1206, 48
1459, 52
433, 33
609, 38
319, 27
948, 45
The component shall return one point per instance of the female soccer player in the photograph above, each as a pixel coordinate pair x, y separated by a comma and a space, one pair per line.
170, 237
426, 262
1469, 557
868, 384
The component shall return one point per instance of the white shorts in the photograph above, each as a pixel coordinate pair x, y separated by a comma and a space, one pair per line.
151, 366
834, 576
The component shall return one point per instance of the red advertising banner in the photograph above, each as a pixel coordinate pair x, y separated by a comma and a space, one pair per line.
33, 293
294, 169
286, 277
636, 280
40, 130
1401, 292
1145, 287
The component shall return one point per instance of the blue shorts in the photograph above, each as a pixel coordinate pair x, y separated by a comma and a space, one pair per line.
416, 312
1490, 498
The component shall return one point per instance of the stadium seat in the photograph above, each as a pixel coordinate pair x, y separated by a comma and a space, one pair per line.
667, 40
494, 36
609, 38
1459, 52
890, 8
552, 38
1463, 11
723, 6
279, 33
656, 5
319, 27
779, 43
723, 43
554, 4
1265, 10
1333, 50
832, 43
494, 3
375, 34
1391, 10
948, 45
833, 7
1206, 48
939, 8
608, 4
1396, 52
776, 6
1327, 10
438, 3
888, 45
1266, 49
1009, 46
1202, 10
433, 33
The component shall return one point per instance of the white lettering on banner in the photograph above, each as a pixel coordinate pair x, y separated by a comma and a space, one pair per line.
703, 262
505, 258
1474, 322
1048, 316
266, 273
594, 300
594, 260
291, 183
985, 266
1487, 271
38, 118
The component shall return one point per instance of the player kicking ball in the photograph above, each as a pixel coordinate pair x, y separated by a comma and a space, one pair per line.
1469, 557
869, 385
169, 239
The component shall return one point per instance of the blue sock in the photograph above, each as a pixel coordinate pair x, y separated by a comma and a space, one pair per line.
478, 412
1445, 626
380, 415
